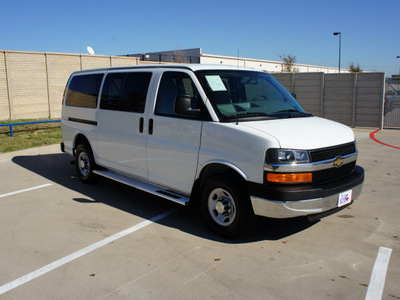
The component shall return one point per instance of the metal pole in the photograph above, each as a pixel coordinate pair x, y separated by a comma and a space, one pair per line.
340, 45
340, 48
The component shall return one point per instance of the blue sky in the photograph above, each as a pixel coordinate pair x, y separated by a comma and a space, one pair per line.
258, 29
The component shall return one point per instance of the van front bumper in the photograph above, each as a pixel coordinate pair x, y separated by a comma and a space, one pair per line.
279, 201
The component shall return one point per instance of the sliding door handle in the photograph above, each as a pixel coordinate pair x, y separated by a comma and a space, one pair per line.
151, 126
141, 125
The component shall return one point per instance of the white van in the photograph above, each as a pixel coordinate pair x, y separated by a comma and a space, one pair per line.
232, 140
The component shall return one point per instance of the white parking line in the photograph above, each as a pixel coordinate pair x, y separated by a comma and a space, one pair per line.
54, 265
377, 282
26, 190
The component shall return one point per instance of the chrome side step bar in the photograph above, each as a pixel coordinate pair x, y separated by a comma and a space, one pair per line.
144, 186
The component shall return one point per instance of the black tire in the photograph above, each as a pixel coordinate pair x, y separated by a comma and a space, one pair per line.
84, 163
226, 207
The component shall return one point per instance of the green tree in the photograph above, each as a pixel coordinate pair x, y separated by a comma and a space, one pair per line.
355, 68
288, 63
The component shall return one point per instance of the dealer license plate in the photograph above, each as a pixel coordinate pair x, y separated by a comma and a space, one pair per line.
344, 198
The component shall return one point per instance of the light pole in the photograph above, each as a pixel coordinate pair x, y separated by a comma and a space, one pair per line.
340, 44
399, 68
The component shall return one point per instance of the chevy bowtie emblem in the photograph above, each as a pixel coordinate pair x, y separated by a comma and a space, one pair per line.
338, 161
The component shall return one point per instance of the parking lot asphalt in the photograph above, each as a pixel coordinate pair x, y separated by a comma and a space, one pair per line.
62, 239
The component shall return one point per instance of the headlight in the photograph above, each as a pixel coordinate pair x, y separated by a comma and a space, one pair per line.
287, 156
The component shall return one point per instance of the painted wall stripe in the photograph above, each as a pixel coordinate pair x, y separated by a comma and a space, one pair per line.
26, 190
378, 276
54, 265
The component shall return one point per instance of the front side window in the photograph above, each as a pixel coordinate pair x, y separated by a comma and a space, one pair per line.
172, 85
125, 91
83, 90
247, 95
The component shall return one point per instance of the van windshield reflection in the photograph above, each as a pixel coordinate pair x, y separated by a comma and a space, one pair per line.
246, 94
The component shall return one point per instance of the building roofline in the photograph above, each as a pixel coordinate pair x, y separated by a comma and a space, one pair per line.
264, 61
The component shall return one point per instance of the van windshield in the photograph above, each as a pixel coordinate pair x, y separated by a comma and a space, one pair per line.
248, 95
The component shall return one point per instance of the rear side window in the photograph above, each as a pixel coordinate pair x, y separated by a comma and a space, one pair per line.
83, 90
125, 91
111, 93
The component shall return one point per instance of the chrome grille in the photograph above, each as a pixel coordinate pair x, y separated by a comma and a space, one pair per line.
332, 152
333, 173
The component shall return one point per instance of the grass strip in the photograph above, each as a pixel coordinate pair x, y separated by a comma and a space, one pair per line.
29, 136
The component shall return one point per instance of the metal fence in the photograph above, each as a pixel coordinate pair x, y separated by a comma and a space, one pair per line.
10, 125
392, 103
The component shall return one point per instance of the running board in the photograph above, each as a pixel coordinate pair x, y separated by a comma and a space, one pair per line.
144, 186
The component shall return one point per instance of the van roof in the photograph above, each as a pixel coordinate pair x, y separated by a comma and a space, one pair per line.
192, 67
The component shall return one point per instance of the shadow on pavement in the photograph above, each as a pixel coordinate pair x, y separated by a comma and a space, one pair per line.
57, 168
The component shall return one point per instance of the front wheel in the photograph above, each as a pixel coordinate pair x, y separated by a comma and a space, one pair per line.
226, 207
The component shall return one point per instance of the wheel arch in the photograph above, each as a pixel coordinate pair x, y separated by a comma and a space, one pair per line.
81, 138
218, 167
213, 169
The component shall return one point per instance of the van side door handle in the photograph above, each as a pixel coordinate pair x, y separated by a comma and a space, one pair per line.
141, 124
151, 126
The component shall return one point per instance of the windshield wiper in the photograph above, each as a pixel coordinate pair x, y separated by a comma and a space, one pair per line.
255, 114
293, 113
249, 114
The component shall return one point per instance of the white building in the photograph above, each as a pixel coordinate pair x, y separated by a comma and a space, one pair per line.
195, 55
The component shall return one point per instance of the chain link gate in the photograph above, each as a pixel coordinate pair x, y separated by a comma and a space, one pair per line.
391, 113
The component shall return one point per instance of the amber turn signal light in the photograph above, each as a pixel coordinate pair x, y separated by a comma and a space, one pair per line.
289, 178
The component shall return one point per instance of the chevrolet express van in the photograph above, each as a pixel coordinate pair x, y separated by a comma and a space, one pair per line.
231, 140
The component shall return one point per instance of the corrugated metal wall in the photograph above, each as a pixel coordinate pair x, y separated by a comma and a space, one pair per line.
351, 99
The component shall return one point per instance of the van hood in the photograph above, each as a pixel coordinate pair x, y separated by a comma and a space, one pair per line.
304, 133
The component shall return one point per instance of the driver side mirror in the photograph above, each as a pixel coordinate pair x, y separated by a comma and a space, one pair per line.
183, 106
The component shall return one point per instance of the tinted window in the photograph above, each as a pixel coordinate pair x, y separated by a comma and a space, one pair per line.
133, 97
112, 90
125, 91
83, 90
172, 85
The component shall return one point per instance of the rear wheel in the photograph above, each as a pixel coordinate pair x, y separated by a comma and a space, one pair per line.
84, 163
226, 207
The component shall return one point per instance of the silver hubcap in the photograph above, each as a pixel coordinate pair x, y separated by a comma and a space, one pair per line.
221, 207
83, 163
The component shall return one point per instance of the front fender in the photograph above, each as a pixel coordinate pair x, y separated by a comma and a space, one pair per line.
219, 165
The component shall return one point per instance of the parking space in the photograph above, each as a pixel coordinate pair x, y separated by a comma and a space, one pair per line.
62, 239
